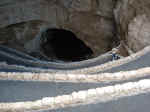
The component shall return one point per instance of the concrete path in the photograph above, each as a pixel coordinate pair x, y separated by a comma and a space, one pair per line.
15, 91
143, 61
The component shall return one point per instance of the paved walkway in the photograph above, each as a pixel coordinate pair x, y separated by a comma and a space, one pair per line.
15, 91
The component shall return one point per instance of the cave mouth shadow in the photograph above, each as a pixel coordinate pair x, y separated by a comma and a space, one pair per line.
61, 44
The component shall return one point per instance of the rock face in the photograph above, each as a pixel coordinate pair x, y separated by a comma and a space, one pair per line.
91, 20
133, 22
23, 36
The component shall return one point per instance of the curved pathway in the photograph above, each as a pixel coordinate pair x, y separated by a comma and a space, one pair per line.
24, 78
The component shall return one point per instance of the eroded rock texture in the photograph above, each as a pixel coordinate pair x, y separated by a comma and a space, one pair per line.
91, 20
133, 22
23, 36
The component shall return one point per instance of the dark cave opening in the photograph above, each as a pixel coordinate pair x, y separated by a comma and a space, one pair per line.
61, 44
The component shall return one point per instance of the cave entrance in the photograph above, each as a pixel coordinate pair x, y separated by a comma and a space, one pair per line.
61, 44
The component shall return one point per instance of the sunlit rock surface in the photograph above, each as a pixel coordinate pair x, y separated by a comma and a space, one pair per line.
133, 22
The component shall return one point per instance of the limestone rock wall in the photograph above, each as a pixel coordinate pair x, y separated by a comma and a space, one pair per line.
133, 22
91, 20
